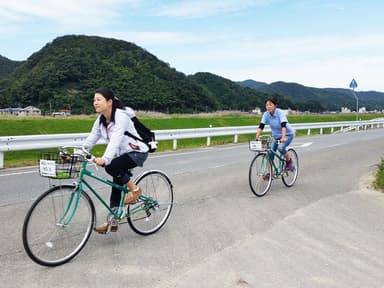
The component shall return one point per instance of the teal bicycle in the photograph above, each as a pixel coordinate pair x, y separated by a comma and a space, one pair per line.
268, 165
60, 221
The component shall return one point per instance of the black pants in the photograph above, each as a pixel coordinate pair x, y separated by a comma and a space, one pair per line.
119, 170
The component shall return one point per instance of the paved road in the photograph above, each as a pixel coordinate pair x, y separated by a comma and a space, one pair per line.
326, 231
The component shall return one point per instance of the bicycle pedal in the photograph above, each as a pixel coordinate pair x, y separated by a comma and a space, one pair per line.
114, 228
114, 225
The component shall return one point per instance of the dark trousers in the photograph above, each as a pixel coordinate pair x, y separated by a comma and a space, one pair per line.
119, 170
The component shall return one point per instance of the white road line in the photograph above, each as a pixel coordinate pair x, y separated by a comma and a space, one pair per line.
18, 173
307, 144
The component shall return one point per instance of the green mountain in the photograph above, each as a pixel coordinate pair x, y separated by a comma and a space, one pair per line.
231, 96
320, 99
66, 72
252, 83
7, 66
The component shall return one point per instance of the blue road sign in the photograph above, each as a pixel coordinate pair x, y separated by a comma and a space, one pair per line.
353, 84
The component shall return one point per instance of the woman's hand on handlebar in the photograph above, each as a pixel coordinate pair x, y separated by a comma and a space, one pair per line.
99, 161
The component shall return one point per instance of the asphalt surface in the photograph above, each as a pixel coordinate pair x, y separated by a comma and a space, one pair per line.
325, 231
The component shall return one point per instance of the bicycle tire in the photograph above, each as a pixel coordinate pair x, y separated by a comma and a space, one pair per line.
145, 218
46, 239
289, 177
260, 174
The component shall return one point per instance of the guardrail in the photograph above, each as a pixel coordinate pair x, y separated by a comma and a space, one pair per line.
18, 143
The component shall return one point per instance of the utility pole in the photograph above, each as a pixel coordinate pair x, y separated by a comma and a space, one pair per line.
353, 85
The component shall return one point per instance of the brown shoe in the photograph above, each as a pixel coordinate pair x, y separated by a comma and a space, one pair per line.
103, 228
132, 196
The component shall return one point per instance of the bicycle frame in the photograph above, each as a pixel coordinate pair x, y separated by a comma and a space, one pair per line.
277, 168
119, 214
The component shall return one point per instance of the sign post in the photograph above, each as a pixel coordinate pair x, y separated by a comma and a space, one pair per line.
353, 85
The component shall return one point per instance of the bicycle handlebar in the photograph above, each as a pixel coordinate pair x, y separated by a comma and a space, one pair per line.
88, 156
269, 138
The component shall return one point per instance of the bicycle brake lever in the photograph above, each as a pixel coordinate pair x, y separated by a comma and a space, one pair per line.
93, 162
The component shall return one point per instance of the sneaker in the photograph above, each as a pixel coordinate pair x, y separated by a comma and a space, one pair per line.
103, 228
289, 165
132, 196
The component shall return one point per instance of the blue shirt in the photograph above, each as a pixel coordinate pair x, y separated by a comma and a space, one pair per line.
275, 123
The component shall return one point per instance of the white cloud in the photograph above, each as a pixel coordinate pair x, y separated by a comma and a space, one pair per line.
158, 38
203, 8
88, 13
219, 47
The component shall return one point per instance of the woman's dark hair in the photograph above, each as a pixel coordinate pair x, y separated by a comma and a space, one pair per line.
108, 94
272, 99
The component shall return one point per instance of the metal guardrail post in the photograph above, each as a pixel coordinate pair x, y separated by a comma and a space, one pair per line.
174, 144
209, 138
1, 159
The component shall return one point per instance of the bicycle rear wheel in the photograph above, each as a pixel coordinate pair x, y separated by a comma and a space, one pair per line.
289, 176
151, 211
53, 232
260, 174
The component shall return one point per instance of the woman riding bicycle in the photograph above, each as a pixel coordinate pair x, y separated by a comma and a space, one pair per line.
122, 152
281, 130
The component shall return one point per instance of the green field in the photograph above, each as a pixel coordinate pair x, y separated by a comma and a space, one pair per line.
13, 126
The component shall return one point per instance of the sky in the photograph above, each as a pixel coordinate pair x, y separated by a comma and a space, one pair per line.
316, 43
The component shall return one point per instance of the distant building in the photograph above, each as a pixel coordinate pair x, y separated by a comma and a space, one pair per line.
289, 111
27, 111
257, 111
10, 111
362, 110
345, 110
30, 111
61, 113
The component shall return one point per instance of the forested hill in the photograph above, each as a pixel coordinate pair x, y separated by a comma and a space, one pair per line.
232, 96
319, 99
66, 72
7, 66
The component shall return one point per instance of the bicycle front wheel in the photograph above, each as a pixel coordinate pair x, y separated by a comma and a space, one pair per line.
151, 211
260, 174
289, 176
58, 225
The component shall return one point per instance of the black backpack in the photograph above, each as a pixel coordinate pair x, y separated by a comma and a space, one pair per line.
147, 136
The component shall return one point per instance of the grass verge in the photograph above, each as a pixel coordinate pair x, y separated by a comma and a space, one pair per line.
379, 177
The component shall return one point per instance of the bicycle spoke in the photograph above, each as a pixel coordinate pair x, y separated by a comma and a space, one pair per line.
289, 176
152, 211
260, 174
51, 236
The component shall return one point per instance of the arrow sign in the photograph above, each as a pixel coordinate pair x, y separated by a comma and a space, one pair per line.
353, 84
